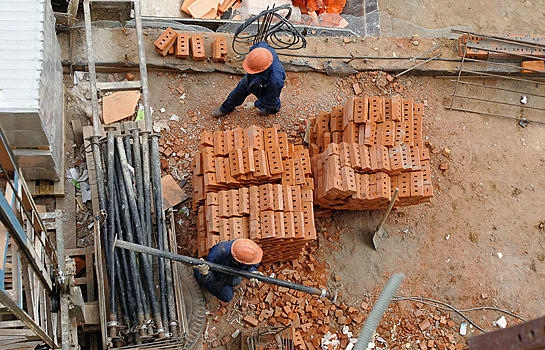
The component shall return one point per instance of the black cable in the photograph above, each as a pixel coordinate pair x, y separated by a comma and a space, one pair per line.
366, 57
281, 35
460, 312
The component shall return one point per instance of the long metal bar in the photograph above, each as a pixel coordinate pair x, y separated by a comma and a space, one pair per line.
499, 102
517, 68
458, 81
419, 64
223, 269
176, 274
494, 115
534, 58
423, 54
499, 88
147, 184
109, 252
498, 38
92, 68
142, 64
501, 77
23, 316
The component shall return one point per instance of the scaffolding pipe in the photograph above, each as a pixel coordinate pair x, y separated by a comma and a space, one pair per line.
146, 266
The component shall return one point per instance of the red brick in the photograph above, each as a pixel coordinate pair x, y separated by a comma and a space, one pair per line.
288, 174
219, 144
182, 45
289, 225
250, 320
274, 159
219, 49
248, 160
270, 138
279, 225
255, 137
361, 107
283, 144
233, 203
197, 47
165, 41
236, 162
261, 164
236, 227
266, 197
244, 200
268, 228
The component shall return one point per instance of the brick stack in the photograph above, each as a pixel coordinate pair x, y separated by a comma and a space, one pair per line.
253, 183
361, 152
182, 45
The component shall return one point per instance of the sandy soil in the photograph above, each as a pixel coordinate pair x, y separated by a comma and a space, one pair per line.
495, 16
486, 203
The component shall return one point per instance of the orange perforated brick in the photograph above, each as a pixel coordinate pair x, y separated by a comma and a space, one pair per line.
213, 218
233, 203
229, 140
268, 227
296, 198
165, 41
344, 154
383, 158
225, 234
212, 240
236, 162
182, 45
348, 112
266, 197
244, 200
348, 181
222, 169
289, 225
207, 139
388, 133
270, 138
274, 158
336, 119
219, 49
277, 198
308, 217
283, 144
255, 137
223, 201
208, 160
355, 160
248, 160
361, 107
287, 198
417, 184
212, 198
197, 47
299, 172
376, 109
299, 224
288, 174
279, 224
238, 138
396, 106
255, 229
261, 164
219, 144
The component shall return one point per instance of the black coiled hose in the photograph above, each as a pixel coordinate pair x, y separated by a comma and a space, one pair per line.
280, 35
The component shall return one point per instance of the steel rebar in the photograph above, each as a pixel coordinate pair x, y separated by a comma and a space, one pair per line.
147, 184
109, 246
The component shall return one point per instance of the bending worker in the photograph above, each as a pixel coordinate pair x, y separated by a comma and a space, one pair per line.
241, 253
265, 79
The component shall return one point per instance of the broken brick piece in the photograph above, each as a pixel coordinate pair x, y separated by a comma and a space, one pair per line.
165, 41
219, 49
250, 320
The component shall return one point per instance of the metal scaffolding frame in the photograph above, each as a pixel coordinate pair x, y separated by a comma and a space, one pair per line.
27, 261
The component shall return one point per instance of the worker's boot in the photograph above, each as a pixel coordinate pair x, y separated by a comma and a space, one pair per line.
217, 113
264, 113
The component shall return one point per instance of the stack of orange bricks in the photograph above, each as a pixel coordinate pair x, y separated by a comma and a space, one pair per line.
252, 183
363, 151
181, 45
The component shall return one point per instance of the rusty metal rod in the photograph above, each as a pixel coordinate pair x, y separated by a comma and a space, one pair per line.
501, 76
504, 52
498, 38
494, 115
499, 88
517, 68
499, 102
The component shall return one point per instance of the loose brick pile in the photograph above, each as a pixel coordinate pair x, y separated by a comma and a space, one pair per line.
182, 45
252, 183
361, 152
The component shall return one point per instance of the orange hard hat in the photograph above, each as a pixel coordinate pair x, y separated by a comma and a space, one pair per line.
246, 251
257, 60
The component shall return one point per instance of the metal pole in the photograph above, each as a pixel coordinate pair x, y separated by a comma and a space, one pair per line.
137, 164
499, 88
142, 64
323, 293
148, 271
147, 184
109, 247
140, 298
167, 292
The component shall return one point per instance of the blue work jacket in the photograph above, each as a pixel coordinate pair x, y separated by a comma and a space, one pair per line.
221, 254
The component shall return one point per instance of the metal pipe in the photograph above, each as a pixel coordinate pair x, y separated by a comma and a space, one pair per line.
501, 76
142, 63
122, 291
158, 200
323, 293
148, 272
147, 184
128, 148
499, 102
109, 247
167, 292
380, 307
140, 297
418, 65
138, 180
123, 257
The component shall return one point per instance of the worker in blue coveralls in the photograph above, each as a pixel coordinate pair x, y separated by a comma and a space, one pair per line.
265, 80
241, 254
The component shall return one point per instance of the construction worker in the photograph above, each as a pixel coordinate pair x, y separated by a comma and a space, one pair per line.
265, 80
240, 253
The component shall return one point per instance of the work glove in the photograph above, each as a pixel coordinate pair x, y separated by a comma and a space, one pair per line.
203, 269
255, 281
249, 105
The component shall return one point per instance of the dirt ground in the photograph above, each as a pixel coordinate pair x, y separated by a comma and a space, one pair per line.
495, 16
479, 242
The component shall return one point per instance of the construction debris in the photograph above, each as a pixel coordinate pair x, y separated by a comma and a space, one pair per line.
119, 105
363, 151
252, 183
